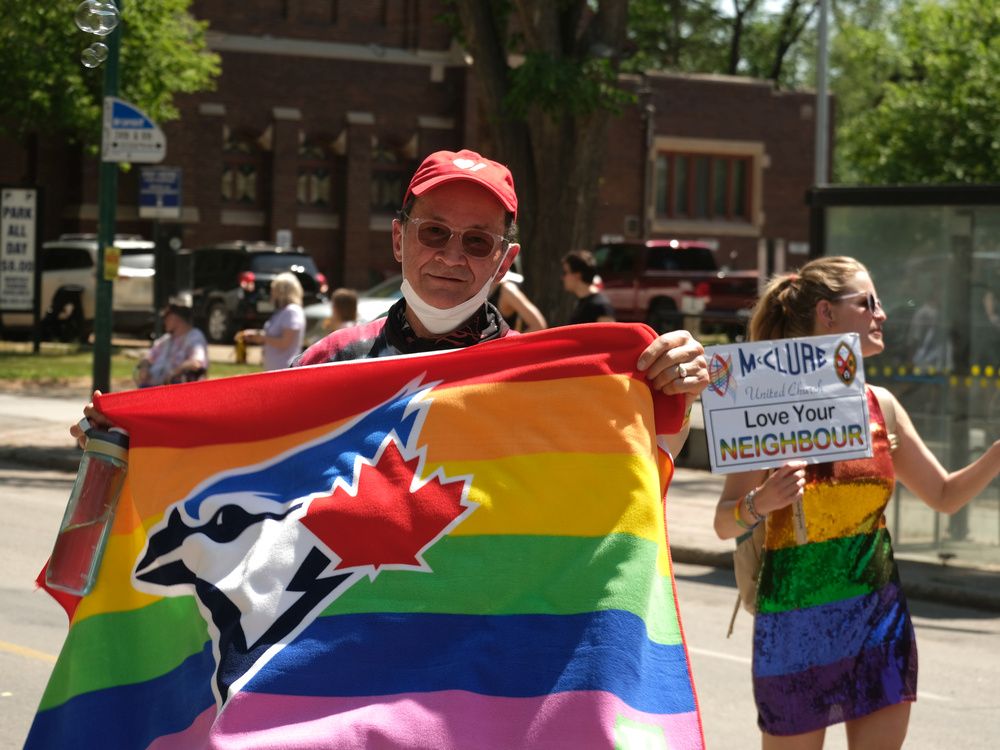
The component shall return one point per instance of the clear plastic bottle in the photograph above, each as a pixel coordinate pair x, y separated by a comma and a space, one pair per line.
90, 511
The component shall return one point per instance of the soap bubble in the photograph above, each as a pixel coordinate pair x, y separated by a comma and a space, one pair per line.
89, 59
101, 50
96, 17
94, 55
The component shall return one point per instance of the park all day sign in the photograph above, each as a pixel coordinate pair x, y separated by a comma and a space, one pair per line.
770, 402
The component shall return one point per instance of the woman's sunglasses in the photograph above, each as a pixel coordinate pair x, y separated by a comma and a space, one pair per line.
872, 302
475, 242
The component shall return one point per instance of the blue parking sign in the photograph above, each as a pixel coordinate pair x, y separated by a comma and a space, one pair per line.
160, 193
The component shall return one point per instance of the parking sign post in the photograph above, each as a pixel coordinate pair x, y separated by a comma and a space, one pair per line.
107, 199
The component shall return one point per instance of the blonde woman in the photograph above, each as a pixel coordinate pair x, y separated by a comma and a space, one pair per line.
282, 335
833, 639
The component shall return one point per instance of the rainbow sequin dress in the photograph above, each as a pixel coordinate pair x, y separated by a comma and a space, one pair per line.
833, 639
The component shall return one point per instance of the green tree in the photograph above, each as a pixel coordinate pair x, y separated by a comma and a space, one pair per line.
548, 80
740, 37
679, 35
47, 90
919, 98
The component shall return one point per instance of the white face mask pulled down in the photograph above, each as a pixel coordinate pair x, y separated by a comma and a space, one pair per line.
437, 320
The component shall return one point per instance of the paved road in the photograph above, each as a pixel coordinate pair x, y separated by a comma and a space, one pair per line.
32, 625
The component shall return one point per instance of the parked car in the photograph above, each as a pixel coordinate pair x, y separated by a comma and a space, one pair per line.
230, 284
372, 303
659, 282
68, 288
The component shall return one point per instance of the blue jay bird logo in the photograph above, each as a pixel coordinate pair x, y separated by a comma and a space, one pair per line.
265, 548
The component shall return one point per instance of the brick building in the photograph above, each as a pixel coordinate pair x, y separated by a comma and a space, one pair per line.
324, 108
729, 161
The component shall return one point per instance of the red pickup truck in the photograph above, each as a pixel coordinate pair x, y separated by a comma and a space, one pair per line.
660, 282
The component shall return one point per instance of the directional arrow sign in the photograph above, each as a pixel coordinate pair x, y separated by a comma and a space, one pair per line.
129, 134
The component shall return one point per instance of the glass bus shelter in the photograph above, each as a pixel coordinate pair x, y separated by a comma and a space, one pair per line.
934, 253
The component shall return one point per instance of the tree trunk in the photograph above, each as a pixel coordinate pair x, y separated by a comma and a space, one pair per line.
568, 157
556, 155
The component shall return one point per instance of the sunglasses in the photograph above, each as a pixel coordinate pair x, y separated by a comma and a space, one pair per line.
872, 302
475, 242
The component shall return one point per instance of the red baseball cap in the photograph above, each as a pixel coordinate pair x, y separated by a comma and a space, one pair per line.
448, 166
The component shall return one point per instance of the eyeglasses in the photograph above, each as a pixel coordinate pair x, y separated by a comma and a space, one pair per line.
475, 242
872, 302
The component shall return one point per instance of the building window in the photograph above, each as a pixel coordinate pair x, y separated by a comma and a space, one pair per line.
390, 175
242, 162
703, 186
314, 185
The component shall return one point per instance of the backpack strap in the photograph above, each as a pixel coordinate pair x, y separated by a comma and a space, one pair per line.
736, 610
887, 403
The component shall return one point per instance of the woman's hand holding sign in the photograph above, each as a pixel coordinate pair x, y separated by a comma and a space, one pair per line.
783, 487
751, 496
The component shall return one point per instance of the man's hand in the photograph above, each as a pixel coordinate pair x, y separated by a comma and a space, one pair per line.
675, 363
97, 419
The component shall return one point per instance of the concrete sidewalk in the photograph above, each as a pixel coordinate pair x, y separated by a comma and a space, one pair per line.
34, 431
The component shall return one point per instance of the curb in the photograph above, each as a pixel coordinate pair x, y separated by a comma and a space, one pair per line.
695, 556
930, 582
53, 458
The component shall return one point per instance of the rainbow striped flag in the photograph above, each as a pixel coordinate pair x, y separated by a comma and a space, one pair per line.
457, 550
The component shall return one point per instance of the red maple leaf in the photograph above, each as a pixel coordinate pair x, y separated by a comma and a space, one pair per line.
385, 523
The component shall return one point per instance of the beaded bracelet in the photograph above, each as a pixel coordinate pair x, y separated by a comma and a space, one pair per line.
751, 506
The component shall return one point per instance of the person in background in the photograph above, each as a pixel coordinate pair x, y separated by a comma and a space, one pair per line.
579, 272
180, 354
514, 305
926, 337
833, 639
343, 310
991, 312
282, 335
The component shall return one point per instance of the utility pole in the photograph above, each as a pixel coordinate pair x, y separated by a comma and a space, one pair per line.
822, 156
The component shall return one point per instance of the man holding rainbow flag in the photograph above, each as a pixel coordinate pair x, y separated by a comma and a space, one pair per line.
463, 547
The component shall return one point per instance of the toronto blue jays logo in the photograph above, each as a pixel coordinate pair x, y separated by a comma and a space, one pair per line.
265, 548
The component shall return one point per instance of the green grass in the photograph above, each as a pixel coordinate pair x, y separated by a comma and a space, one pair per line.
69, 362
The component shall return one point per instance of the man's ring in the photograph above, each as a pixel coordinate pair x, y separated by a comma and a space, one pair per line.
681, 372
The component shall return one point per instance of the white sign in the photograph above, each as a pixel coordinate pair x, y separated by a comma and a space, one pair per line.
770, 402
798, 248
18, 214
129, 134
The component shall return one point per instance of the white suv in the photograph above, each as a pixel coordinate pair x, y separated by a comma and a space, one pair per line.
67, 301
